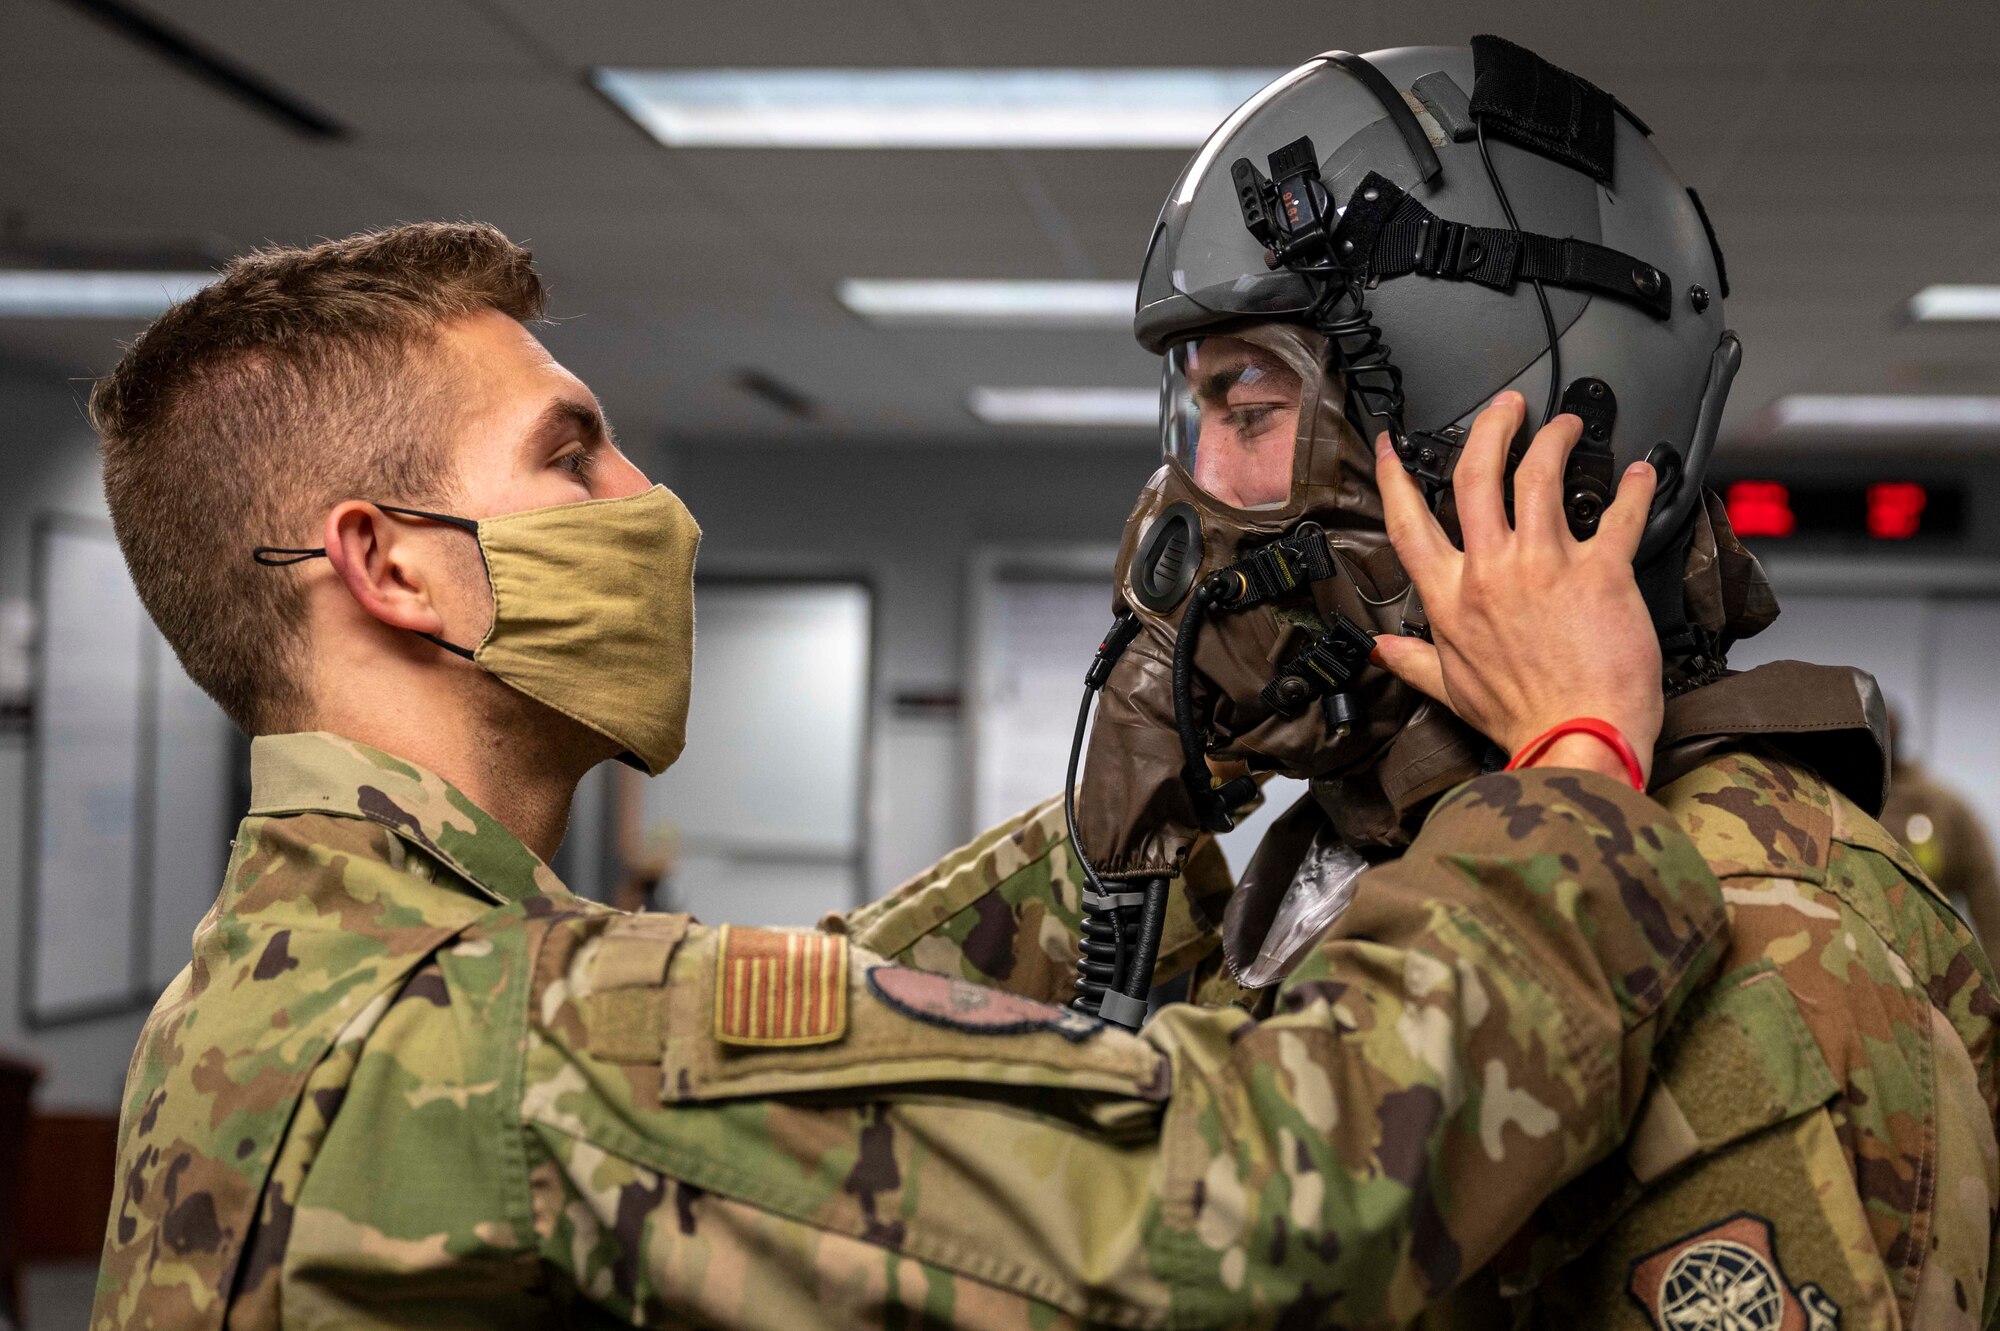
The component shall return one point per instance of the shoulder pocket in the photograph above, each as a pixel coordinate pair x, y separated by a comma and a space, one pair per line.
1741, 1059
908, 1032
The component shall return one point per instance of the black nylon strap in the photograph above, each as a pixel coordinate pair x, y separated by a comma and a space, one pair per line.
1390, 234
1530, 102
1299, 558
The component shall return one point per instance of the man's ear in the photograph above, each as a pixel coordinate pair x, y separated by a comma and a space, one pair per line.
376, 561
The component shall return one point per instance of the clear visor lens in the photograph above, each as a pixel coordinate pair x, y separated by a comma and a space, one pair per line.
1229, 414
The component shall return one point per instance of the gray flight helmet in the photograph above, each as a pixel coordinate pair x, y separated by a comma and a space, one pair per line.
1411, 116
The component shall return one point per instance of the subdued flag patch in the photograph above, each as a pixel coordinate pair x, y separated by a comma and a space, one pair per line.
775, 988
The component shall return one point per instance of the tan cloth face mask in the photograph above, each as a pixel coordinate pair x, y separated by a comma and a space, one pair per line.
593, 613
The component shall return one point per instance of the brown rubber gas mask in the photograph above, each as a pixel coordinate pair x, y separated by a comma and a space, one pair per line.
1258, 556
1253, 574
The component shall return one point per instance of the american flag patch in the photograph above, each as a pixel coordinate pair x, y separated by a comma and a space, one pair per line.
774, 988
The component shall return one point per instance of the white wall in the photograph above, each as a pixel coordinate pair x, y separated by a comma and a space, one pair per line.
48, 463
1934, 656
910, 521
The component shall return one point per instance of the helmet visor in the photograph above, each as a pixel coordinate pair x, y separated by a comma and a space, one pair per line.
1204, 266
1229, 415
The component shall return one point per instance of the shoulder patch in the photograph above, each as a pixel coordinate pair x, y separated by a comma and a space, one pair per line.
1727, 1278
776, 988
964, 1006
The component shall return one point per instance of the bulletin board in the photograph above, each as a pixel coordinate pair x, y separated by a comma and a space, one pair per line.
130, 789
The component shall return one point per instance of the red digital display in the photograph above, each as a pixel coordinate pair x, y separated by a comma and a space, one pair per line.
1760, 508
1895, 510
1812, 509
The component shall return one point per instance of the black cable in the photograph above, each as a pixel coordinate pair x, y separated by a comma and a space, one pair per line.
1193, 753
1146, 955
1548, 315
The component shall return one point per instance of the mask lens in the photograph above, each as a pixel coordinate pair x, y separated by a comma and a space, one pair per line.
1229, 414
1180, 419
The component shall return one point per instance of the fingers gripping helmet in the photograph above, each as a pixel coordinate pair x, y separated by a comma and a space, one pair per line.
1410, 232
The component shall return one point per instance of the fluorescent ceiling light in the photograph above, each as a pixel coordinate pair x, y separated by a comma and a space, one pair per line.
63, 294
1072, 304
1961, 304
1121, 407
930, 108
1887, 413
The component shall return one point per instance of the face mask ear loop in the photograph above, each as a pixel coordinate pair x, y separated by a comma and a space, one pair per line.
284, 556
279, 556
451, 647
450, 520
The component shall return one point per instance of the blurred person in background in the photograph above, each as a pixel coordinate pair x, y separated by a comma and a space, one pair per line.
1945, 836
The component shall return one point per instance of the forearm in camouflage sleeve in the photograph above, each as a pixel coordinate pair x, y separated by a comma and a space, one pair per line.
1474, 1035
1004, 910
1476, 1030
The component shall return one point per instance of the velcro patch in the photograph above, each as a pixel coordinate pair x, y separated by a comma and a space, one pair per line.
775, 989
964, 1006
1724, 1277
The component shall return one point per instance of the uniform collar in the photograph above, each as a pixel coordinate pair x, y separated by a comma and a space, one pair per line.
317, 772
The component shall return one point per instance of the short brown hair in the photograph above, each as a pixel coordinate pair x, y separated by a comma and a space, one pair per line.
300, 378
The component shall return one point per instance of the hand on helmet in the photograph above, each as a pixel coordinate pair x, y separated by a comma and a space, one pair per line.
1530, 627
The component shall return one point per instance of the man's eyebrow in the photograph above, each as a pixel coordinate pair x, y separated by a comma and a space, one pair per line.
568, 416
1218, 384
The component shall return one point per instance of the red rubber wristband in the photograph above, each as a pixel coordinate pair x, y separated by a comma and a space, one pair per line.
1585, 725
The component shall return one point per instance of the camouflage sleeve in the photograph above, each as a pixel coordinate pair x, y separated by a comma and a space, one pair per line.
758, 1128
1004, 911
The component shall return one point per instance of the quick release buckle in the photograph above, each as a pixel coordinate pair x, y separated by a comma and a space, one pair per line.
1438, 245
1295, 560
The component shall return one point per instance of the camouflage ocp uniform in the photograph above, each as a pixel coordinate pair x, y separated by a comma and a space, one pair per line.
408, 1080
1816, 1144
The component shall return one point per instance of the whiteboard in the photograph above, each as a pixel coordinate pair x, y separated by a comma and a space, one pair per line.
133, 790
766, 803
193, 813
1034, 640
1038, 628
85, 815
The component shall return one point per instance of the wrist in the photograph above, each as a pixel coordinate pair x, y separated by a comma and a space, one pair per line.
1590, 744
1592, 755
